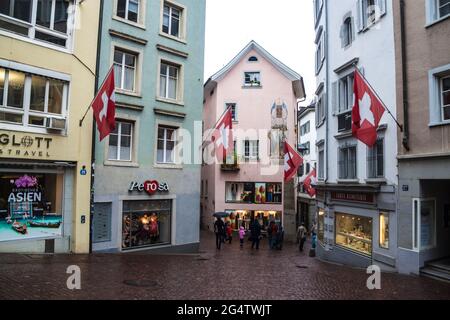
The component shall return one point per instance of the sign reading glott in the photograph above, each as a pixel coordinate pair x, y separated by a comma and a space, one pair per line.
149, 186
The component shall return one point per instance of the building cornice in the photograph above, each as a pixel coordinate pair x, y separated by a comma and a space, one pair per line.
125, 36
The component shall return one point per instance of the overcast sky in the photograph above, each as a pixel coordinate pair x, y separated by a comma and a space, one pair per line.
283, 27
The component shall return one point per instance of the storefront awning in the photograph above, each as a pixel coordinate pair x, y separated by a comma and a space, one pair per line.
35, 164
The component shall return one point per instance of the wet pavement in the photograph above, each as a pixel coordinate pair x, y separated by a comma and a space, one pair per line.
232, 273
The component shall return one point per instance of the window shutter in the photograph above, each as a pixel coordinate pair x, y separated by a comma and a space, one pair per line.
360, 16
335, 97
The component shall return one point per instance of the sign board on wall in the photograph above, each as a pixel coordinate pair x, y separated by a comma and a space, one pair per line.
149, 186
353, 197
12, 145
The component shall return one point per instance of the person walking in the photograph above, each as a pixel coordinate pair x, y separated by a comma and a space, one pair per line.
274, 231
280, 238
241, 236
269, 233
219, 229
229, 232
256, 233
301, 235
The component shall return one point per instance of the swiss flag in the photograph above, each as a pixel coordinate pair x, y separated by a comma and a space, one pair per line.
309, 181
292, 161
104, 106
367, 111
223, 135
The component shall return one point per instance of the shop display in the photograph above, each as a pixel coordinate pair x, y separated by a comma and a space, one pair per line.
30, 200
250, 192
354, 232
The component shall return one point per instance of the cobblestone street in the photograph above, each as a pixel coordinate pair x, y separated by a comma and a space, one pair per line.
229, 274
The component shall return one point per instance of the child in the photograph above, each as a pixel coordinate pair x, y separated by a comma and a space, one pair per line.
241, 235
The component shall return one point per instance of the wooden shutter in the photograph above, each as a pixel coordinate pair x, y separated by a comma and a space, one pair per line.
335, 97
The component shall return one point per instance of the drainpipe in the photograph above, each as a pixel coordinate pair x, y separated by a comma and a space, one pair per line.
405, 139
327, 76
97, 72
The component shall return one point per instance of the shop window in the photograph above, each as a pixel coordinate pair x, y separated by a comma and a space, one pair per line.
42, 104
321, 226
354, 233
384, 230
47, 20
424, 224
146, 223
31, 205
121, 142
250, 192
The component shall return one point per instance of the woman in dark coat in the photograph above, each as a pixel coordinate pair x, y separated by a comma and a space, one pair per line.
256, 234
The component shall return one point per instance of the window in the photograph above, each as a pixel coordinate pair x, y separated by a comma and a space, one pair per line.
343, 102
443, 8
251, 150
370, 12
125, 66
320, 110
305, 128
128, 9
384, 230
321, 225
166, 145
121, 142
308, 168
253, 59
169, 76
347, 32
46, 20
146, 223
172, 20
318, 4
320, 50
321, 173
375, 160
354, 233
445, 98
29, 100
424, 224
347, 162
233, 110
251, 192
252, 79
276, 144
305, 148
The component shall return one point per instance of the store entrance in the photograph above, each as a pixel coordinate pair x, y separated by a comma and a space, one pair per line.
245, 218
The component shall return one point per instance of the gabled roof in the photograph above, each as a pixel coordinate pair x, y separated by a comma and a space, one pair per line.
297, 79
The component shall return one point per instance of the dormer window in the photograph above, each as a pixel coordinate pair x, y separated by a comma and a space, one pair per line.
253, 59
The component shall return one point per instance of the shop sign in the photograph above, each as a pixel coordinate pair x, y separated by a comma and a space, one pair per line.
149, 186
26, 146
353, 197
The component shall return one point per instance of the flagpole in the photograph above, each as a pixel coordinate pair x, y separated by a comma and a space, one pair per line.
214, 126
376, 94
90, 105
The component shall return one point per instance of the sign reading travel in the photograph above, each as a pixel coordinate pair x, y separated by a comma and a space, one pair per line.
24, 146
149, 186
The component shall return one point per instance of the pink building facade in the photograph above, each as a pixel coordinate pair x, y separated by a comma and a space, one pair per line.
263, 94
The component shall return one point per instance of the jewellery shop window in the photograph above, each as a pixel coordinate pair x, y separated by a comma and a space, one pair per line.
146, 223
354, 232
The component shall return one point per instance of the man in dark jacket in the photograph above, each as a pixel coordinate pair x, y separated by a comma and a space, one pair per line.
256, 233
219, 230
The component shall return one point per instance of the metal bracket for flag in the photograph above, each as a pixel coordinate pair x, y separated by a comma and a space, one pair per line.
373, 90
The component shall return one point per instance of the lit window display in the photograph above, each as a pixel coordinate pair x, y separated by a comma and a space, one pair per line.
31, 205
240, 192
238, 218
384, 230
354, 232
321, 225
146, 223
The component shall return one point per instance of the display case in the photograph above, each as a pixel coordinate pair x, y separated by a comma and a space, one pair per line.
354, 233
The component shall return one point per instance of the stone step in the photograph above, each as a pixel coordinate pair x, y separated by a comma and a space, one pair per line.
440, 265
437, 274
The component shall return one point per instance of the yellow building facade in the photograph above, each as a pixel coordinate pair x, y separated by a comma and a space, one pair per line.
48, 52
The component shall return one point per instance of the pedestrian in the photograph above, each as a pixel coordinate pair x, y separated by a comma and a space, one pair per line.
280, 238
229, 232
241, 236
274, 235
301, 235
269, 233
314, 229
256, 233
219, 228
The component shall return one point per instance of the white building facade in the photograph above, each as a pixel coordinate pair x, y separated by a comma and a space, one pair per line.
357, 185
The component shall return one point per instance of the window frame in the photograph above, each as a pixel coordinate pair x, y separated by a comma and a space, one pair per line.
321, 164
141, 14
123, 67
177, 145
25, 111
320, 54
347, 32
251, 154
373, 158
417, 225
250, 84
441, 97
182, 32
435, 77
34, 28
119, 123
233, 110
180, 82
345, 164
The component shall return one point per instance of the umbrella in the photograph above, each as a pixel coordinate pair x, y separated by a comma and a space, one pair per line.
221, 214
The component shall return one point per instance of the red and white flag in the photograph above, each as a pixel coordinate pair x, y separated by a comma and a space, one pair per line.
223, 135
367, 111
292, 161
104, 106
309, 181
